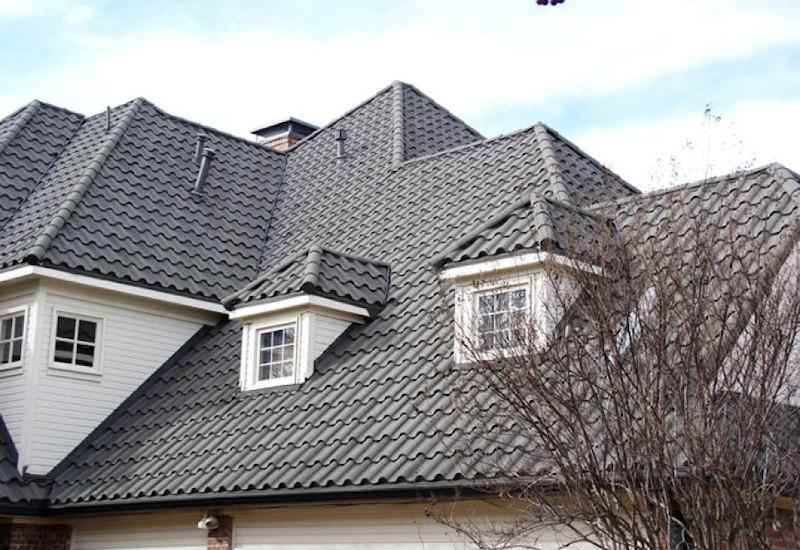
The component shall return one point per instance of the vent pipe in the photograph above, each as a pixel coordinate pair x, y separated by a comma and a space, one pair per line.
200, 146
341, 137
202, 174
108, 119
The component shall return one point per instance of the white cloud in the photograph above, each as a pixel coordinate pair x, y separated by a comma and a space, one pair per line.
751, 133
80, 14
472, 58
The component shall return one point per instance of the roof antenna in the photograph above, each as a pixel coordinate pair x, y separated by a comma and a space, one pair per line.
341, 136
108, 118
201, 145
202, 175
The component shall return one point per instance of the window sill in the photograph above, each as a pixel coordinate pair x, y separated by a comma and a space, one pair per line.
76, 373
275, 383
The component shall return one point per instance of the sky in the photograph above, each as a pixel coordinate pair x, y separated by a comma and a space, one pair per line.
661, 91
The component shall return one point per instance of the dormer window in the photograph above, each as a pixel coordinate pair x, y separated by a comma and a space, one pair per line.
501, 316
292, 314
276, 355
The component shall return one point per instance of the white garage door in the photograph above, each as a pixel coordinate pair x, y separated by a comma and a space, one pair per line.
145, 532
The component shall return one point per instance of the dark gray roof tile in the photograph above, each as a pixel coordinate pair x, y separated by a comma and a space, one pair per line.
323, 272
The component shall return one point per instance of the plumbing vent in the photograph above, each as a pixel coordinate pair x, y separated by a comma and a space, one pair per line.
200, 146
341, 138
202, 174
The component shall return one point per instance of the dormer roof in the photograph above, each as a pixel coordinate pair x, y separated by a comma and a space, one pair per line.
321, 272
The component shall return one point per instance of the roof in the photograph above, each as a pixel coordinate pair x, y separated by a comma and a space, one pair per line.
118, 203
16, 490
533, 224
378, 412
322, 272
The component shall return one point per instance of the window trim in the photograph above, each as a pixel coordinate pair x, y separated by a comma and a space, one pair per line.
14, 312
250, 353
96, 369
467, 320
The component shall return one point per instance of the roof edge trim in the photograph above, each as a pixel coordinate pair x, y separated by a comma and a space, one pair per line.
484, 267
103, 284
43, 241
398, 130
292, 302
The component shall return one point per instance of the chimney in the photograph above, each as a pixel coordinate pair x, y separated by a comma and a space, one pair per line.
282, 135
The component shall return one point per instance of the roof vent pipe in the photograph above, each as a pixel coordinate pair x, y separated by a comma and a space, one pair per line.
202, 174
201, 145
108, 119
341, 136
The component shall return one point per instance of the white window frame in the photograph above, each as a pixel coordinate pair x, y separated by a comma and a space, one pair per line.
14, 312
97, 363
251, 337
467, 316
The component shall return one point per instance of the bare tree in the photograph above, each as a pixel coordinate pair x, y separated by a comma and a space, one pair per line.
653, 400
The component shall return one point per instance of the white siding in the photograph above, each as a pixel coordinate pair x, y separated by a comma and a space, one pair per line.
361, 527
379, 526
135, 342
147, 532
14, 383
326, 330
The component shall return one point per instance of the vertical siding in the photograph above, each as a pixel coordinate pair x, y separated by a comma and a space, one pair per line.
135, 343
326, 330
148, 532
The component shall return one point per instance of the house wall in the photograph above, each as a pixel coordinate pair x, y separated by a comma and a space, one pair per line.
14, 383
396, 526
326, 330
50, 410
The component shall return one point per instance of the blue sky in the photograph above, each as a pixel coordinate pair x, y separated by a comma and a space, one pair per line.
628, 81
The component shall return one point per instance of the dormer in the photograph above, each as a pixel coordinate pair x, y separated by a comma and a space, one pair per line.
291, 314
517, 271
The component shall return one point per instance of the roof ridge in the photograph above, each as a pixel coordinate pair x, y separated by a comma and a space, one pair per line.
26, 113
569, 143
540, 208
714, 180
330, 124
459, 148
69, 204
447, 111
312, 267
208, 128
398, 124
551, 163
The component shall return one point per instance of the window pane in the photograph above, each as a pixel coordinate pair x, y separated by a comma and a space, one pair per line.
287, 368
263, 372
485, 304
5, 353
277, 338
275, 370
65, 327
87, 331
16, 350
5, 329
485, 323
265, 357
501, 301
277, 355
486, 340
289, 335
288, 353
85, 355
63, 352
19, 326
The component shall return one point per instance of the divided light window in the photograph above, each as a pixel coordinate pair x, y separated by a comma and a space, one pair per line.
502, 314
12, 334
76, 341
276, 353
